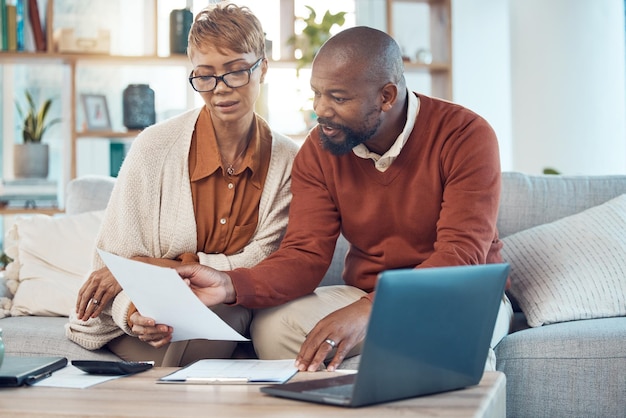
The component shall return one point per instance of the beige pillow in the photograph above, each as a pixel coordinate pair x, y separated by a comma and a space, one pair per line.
52, 256
573, 268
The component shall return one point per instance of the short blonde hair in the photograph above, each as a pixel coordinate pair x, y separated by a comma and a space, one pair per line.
226, 26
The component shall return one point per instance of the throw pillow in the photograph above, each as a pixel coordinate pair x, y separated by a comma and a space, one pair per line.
51, 258
573, 268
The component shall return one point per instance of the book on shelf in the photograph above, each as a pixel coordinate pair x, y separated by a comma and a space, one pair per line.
11, 12
28, 187
36, 202
21, 26
36, 25
28, 194
4, 45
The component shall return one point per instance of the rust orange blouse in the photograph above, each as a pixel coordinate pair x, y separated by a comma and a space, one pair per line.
226, 207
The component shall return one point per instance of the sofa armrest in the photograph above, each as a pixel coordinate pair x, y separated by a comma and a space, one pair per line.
88, 193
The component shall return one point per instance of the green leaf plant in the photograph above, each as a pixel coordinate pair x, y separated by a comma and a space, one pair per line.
314, 35
34, 124
551, 171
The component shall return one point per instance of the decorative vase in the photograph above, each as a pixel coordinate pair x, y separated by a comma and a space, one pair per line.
30, 160
138, 106
180, 23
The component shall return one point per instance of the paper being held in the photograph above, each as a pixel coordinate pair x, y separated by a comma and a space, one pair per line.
159, 293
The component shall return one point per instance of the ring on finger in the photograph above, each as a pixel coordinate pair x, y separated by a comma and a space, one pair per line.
95, 301
330, 342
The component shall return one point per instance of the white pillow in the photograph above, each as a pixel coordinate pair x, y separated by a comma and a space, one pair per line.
573, 268
52, 256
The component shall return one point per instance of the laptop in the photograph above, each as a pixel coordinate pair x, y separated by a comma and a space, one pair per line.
429, 332
16, 370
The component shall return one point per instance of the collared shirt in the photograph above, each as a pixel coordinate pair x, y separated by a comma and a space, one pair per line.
382, 162
226, 207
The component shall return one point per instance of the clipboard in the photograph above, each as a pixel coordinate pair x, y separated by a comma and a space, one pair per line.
233, 372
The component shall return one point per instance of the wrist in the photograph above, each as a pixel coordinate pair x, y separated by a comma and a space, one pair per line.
230, 295
131, 310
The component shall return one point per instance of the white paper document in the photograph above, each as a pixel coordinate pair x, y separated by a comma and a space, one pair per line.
72, 377
160, 293
220, 372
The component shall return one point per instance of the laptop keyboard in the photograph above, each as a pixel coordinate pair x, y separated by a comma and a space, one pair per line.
339, 391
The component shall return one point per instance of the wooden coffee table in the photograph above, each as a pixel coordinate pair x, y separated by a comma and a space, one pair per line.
141, 396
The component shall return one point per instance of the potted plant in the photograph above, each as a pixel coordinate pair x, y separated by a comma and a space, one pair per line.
31, 157
314, 35
307, 44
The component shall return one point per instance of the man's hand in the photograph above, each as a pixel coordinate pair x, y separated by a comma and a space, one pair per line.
95, 293
157, 335
211, 286
345, 328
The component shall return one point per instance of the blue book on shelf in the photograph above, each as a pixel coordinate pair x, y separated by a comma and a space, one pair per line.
19, 21
118, 152
4, 45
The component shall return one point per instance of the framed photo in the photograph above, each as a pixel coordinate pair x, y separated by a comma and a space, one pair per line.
96, 112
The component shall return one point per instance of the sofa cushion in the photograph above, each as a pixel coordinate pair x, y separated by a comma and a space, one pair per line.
528, 200
51, 257
334, 274
44, 336
569, 369
573, 268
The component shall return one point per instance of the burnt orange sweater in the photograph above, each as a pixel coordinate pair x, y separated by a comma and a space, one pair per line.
436, 205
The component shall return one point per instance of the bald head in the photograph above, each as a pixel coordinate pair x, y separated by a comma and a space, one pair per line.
367, 51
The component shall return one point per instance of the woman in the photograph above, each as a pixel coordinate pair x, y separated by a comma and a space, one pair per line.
210, 185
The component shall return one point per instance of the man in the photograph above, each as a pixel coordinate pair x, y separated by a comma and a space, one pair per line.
409, 180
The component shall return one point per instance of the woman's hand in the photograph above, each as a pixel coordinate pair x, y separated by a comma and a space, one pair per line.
157, 335
100, 288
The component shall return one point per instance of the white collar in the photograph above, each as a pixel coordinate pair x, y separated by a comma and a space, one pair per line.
382, 162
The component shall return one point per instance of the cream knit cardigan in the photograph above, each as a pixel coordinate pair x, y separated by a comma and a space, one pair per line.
150, 213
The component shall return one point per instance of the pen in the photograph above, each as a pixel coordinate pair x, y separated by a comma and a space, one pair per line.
218, 380
31, 380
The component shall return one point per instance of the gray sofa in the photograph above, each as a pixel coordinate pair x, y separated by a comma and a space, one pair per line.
45, 335
568, 369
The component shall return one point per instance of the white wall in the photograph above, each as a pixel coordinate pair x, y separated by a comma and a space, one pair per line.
569, 109
481, 77
550, 78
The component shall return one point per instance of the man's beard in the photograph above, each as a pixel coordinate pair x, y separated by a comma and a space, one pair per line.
352, 138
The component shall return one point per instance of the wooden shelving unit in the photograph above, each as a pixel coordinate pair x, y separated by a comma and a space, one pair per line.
440, 19
18, 211
70, 63
439, 70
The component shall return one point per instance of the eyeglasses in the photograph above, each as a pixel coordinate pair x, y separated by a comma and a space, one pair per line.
233, 79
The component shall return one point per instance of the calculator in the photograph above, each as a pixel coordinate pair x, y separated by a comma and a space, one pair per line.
112, 367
